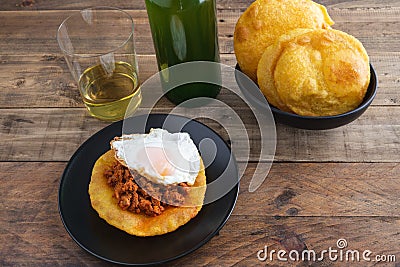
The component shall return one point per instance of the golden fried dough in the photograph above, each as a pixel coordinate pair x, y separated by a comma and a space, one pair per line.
315, 73
265, 73
265, 20
102, 200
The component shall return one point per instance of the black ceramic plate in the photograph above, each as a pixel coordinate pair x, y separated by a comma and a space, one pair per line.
97, 237
310, 122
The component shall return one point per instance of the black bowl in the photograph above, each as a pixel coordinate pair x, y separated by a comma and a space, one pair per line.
311, 122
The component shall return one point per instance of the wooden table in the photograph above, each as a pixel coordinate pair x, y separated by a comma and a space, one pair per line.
323, 185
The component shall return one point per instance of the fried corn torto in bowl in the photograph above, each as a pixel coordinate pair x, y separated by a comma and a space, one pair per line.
320, 72
265, 20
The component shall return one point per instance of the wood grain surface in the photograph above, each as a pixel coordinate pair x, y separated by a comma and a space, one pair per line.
45, 81
295, 209
323, 185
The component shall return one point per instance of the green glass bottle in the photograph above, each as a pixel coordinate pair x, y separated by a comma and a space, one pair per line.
184, 31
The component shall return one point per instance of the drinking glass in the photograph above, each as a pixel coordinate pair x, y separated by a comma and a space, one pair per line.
98, 46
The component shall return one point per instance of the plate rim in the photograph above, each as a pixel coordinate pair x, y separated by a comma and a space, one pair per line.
185, 253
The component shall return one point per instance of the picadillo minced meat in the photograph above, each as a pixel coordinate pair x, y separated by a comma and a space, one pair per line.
149, 198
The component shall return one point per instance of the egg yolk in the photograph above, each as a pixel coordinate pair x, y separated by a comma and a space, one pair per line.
159, 161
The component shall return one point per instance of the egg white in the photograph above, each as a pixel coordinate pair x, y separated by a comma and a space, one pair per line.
177, 149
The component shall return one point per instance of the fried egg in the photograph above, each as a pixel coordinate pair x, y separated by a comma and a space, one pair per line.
162, 157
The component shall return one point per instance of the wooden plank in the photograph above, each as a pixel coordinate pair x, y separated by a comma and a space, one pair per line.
54, 134
323, 189
361, 4
35, 31
30, 218
45, 81
18, 5
318, 190
253, 225
362, 11
253, 233
237, 244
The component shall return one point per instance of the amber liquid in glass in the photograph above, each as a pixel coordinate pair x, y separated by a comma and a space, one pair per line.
107, 95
